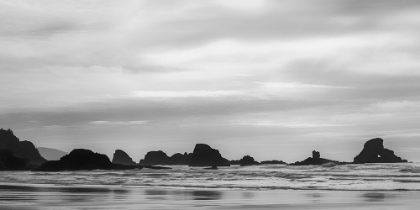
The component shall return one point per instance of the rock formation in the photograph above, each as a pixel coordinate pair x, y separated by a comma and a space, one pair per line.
21, 149
155, 158
82, 159
235, 162
160, 158
180, 159
374, 152
248, 161
204, 155
9, 162
121, 157
51, 154
315, 160
272, 162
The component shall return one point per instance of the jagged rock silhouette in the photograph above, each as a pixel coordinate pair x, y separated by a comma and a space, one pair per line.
121, 157
204, 155
21, 149
374, 152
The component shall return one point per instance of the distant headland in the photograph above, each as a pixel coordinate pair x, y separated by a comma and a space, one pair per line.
23, 155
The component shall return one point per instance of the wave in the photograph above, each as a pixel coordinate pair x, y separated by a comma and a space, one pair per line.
325, 177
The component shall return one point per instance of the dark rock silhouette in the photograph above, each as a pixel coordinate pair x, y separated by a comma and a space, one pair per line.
82, 159
374, 152
248, 161
315, 160
155, 158
316, 155
156, 167
181, 159
121, 157
9, 162
160, 158
272, 162
204, 155
51, 154
20, 149
212, 168
235, 162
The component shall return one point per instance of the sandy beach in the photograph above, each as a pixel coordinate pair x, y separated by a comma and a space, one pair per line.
30, 196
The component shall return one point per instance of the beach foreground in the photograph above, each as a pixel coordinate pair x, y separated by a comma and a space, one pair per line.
43, 196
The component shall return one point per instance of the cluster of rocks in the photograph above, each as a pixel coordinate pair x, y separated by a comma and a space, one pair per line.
22, 155
161, 158
82, 159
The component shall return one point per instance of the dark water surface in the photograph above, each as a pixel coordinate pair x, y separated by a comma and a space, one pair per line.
30, 196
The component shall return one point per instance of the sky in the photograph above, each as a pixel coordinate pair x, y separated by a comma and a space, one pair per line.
267, 78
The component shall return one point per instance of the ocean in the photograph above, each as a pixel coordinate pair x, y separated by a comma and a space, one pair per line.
367, 186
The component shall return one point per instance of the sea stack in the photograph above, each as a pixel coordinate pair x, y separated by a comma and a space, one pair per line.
155, 158
204, 155
374, 152
121, 157
248, 161
315, 160
20, 149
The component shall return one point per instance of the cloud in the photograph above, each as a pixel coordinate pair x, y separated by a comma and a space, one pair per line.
119, 123
290, 71
287, 124
285, 85
184, 94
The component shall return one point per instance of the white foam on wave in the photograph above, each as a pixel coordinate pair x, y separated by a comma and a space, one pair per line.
404, 176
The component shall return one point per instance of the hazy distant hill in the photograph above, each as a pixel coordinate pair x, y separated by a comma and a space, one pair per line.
51, 154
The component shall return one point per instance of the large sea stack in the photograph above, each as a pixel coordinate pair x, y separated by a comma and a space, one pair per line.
204, 155
82, 159
121, 157
374, 152
20, 149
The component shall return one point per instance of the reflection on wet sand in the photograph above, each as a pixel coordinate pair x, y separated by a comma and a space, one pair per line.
162, 194
377, 196
120, 197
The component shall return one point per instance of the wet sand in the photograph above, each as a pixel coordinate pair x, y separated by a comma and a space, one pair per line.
29, 196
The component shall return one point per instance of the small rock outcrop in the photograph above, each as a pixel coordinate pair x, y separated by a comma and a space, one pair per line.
121, 157
9, 162
20, 149
315, 160
204, 155
272, 162
248, 161
374, 152
82, 159
161, 158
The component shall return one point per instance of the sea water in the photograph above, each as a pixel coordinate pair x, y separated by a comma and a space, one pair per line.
397, 176
368, 186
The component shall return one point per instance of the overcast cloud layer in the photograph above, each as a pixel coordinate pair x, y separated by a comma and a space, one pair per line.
272, 79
